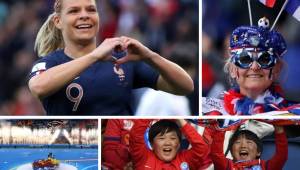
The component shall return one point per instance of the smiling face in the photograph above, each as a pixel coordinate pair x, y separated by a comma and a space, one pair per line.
78, 20
244, 149
165, 146
254, 80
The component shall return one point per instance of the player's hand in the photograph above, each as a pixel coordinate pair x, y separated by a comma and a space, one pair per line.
104, 50
279, 129
129, 166
181, 122
135, 51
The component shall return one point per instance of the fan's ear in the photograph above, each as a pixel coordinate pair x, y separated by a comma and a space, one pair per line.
258, 154
277, 69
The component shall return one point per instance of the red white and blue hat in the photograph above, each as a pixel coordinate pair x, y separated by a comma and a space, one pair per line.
258, 37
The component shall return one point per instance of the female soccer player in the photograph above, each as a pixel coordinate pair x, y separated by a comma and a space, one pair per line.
77, 77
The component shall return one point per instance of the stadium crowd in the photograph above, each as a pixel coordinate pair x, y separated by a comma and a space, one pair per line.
48, 132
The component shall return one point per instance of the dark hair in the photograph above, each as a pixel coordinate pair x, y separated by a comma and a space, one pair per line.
248, 135
162, 127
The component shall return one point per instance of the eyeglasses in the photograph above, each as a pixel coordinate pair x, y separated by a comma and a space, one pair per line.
245, 58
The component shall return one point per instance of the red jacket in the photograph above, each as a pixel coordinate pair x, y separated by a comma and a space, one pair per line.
275, 163
144, 159
116, 144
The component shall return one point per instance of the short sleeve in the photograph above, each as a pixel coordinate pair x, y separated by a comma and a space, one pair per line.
144, 76
41, 65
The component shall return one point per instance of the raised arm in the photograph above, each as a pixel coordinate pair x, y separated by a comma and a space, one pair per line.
137, 144
281, 152
199, 150
53, 79
172, 79
115, 153
216, 151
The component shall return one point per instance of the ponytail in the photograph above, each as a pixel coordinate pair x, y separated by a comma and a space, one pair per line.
49, 38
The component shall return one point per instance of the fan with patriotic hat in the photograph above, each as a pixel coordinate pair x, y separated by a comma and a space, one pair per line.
254, 66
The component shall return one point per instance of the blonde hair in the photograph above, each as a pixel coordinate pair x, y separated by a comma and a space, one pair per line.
226, 69
49, 38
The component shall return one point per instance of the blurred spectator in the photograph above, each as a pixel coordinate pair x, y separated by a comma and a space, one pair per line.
155, 103
49, 131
